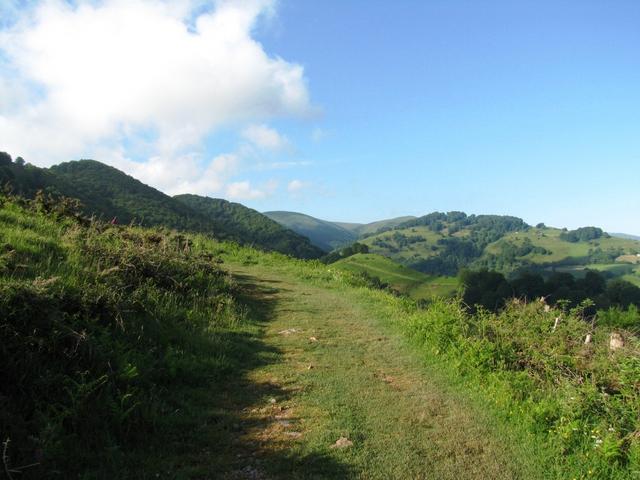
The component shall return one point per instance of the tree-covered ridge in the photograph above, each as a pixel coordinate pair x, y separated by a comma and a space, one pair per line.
324, 234
250, 227
443, 243
108, 193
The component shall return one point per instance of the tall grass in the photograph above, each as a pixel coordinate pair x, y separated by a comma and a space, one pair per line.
99, 325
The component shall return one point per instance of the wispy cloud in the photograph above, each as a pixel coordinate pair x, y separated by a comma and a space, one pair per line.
297, 188
265, 137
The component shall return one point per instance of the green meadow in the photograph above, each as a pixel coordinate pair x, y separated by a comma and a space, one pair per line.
402, 279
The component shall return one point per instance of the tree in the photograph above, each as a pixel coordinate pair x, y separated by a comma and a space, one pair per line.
20, 162
5, 159
623, 293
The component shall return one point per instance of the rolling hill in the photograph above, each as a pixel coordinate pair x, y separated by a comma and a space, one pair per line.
331, 235
625, 235
108, 193
326, 235
241, 222
405, 280
443, 243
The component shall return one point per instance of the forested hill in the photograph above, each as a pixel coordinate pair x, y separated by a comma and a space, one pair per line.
324, 234
443, 243
109, 193
242, 222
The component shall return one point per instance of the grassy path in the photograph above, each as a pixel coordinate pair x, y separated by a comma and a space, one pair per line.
319, 368
338, 373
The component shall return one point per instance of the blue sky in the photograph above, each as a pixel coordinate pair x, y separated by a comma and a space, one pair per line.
528, 108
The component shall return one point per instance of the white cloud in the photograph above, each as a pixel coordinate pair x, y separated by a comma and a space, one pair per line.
101, 76
265, 137
244, 190
297, 187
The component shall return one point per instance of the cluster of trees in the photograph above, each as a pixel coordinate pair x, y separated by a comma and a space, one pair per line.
107, 192
400, 240
491, 289
493, 225
455, 252
403, 240
583, 234
345, 252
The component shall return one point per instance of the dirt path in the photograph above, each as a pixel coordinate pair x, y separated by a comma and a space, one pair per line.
338, 395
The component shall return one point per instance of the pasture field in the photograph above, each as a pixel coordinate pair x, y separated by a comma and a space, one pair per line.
403, 279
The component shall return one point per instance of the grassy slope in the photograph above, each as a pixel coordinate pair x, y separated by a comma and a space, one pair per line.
411, 253
549, 238
106, 332
567, 253
323, 234
405, 280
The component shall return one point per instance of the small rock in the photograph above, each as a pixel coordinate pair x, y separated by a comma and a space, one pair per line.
615, 341
272, 400
342, 442
313, 339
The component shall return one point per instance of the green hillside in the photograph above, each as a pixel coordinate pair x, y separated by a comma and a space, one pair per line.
325, 235
409, 282
250, 227
444, 243
108, 193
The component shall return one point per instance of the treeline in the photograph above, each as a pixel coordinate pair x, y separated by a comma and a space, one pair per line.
583, 234
491, 290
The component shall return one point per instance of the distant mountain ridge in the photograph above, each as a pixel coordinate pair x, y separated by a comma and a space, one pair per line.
625, 235
109, 193
322, 233
330, 235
